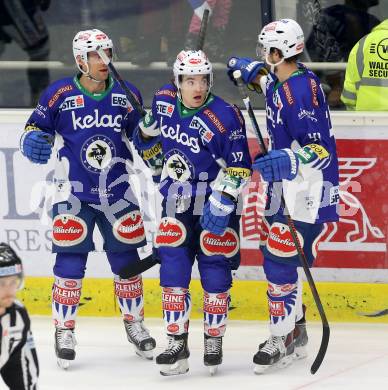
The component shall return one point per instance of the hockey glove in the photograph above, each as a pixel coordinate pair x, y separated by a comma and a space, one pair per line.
249, 69
277, 165
150, 151
149, 126
216, 213
36, 145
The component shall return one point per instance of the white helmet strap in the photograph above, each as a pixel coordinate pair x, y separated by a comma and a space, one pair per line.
87, 72
268, 62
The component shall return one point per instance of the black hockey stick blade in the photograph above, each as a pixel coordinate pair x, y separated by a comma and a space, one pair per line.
128, 93
378, 313
202, 31
138, 267
322, 349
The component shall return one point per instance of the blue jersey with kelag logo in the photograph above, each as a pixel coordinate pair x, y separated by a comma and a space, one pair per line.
92, 132
298, 116
200, 145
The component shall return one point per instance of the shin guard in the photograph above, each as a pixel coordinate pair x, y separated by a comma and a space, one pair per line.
282, 307
66, 295
176, 309
215, 313
129, 294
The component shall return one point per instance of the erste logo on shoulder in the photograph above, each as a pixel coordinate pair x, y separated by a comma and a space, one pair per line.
72, 103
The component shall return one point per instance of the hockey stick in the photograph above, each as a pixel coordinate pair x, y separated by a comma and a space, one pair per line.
378, 313
202, 31
302, 257
129, 95
138, 267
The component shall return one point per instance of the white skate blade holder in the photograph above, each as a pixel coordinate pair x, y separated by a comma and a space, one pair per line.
63, 363
178, 368
213, 370
282, 363
300, 353
149, 355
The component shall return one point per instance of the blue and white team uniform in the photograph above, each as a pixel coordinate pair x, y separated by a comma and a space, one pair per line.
203, 149
298, 119
302, 166
92, 135
204, 152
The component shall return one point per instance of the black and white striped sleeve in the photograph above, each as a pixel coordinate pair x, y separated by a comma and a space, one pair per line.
21, 370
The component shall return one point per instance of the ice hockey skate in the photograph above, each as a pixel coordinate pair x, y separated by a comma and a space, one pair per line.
64, 346
173, 361
277, 351
300, 337
138, 335
212, 357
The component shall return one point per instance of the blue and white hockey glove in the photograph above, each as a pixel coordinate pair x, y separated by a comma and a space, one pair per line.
36, 145
216, 213
277, 165
249, 69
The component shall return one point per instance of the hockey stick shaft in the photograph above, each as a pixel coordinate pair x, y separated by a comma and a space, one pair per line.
139, 267
128, 93
302, 257
202, 31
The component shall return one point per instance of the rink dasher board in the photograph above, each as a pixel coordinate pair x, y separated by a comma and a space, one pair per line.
354, 250
346, 268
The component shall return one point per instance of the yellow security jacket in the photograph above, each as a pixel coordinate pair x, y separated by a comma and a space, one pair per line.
366, 79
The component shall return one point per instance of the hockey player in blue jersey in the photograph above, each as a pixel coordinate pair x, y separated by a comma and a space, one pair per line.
202, 142
91, 121
302, 164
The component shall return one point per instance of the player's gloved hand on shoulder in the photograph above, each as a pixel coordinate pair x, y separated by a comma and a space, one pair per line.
249, 69
36, 145
277, 165
146, 133
216, 213
149, 146
149, 125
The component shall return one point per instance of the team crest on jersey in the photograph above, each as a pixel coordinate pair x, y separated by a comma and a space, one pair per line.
205, 133
307, 114
72, 103
237, 134
129, 228
280, 242
179, 167
226, 245
68, 230
97, 153
164, 108
171, 232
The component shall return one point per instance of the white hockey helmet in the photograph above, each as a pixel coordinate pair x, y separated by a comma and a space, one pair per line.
87, 41
192, 62
284, 34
